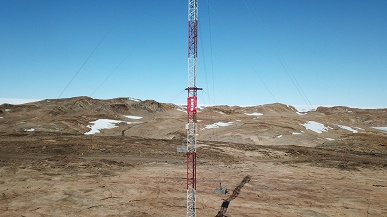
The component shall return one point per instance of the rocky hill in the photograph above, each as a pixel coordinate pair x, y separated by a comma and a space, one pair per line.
272, 124
118, 157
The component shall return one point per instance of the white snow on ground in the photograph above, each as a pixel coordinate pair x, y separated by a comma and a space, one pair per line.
347, 128
133, 117
133, 99
30, 130
306, 108
279, 136
217, 125
16, 101
296, 133
329, 139
181, 109
315, 126
133, 122
380, 128
100, 124
254, 114
1, 117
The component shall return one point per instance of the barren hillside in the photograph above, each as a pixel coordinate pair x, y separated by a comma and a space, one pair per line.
89, 157
273, 124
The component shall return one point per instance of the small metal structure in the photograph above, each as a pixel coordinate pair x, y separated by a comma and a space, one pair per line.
235, 193
182, 148
220, 190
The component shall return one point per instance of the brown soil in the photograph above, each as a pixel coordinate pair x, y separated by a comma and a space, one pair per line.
68, 175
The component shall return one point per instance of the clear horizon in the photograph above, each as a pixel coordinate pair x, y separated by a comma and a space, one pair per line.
300, 108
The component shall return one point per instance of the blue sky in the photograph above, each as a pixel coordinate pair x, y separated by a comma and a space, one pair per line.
326, 52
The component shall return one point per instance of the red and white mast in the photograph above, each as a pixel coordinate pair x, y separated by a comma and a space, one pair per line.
190, 142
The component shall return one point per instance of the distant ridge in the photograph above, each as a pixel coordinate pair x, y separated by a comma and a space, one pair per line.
269, 124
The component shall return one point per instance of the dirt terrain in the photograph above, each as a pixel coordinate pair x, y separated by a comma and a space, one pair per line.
328, 162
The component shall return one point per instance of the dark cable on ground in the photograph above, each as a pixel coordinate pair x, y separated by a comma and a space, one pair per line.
235, 193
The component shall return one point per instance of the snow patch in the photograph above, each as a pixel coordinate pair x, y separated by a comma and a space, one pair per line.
347, 128
30, 130
380, 128
315, 126
217, 125
100, 124
133, 99
254, 114
296, 133
181, 109
133, 117
279, 136
306, 108
329, 139
134, 122
1, 117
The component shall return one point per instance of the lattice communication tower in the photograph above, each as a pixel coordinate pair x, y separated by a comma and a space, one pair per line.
192, 89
